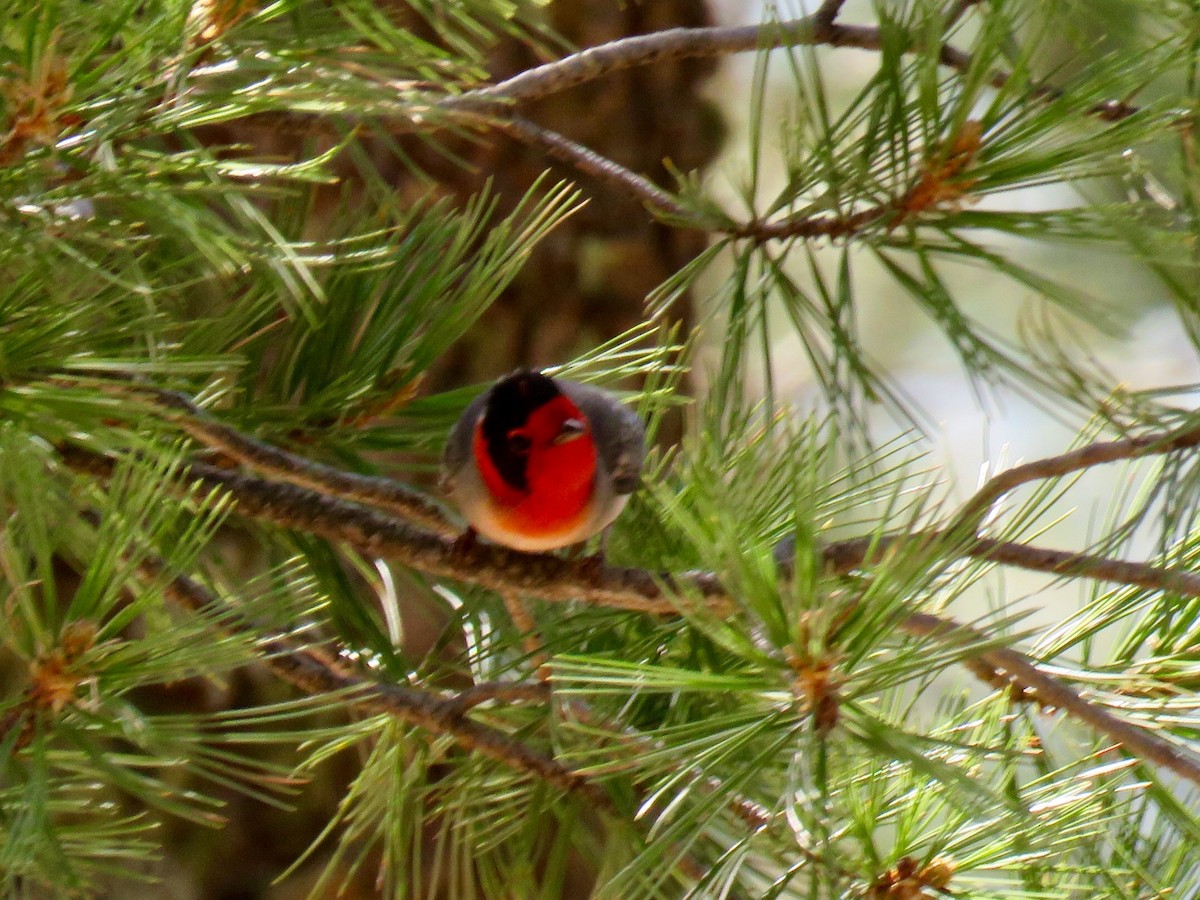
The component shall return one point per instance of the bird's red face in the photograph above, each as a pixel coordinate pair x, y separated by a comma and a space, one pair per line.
536, 455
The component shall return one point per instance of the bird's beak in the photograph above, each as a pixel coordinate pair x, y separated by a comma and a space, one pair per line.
571, 429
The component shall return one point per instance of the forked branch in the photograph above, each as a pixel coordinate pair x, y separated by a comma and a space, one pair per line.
557, 579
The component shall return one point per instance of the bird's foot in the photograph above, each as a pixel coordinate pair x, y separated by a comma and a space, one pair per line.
465, 542
590, 564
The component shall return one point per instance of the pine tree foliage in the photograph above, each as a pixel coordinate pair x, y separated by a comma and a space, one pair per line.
808, 727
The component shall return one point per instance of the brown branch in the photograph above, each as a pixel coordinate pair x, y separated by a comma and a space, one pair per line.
589, 162
689, 43
310, 672
382, 493
808, 227
828, 11
505, 691
1099, 568
557, 579
861, 553
1052, 692
978, 506
492, 106
638, 50
819, 28
486, 565
306, 670
957, 11
553, 578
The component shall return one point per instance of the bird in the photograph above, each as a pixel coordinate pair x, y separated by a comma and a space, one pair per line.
538, 463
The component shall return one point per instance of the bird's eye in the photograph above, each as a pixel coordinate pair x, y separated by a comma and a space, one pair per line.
518, 443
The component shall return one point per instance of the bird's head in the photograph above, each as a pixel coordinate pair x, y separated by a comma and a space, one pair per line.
532, 437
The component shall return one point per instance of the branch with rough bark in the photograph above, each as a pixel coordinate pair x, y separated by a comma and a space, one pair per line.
820, 28
305, 668
315, 673
552, 578
495, 106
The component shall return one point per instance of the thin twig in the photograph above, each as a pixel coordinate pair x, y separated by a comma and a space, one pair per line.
978, 506
862, 553
957, 11
589, 162
638, 50
830, 226
1099, 568
828, 11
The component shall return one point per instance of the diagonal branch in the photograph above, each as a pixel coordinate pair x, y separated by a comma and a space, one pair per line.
304, 668
1050, 691
959, 9
689, 43
862, 553
589, 162
383, 493
976, 509
554, 578
828, 11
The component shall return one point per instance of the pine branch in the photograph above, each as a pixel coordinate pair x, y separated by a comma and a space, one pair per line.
492, 106
690, 43
978, 506
503, 691
1049, 691
753, 815
589, 162
828, 11
314, 674
958, 10
808, 227
370, 532
306, 670
383, 493
858, 553
819, 28
557, 579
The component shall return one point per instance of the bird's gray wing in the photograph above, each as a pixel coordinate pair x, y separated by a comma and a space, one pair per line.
458, 444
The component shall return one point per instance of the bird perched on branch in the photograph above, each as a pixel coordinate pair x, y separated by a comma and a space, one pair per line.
538, 463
